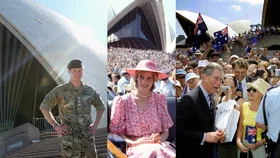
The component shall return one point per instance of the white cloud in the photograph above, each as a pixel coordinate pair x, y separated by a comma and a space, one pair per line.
252, 2
236, 7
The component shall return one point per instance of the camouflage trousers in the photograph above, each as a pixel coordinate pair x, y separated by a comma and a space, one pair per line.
77, 147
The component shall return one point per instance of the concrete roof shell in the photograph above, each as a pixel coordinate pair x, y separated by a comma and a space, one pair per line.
213, 25
115, 14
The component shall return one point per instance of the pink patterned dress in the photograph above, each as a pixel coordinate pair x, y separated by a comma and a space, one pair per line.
127, 120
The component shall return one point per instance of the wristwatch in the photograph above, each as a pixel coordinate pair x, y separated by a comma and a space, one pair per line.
261, 143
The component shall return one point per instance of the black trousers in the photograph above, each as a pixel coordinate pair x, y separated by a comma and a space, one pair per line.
274, 148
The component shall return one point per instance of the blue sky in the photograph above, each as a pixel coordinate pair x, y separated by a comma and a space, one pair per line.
91, 14
225, 11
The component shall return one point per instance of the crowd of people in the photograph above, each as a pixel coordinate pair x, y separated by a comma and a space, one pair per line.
241, 40
220, 76
120, 58
201, 82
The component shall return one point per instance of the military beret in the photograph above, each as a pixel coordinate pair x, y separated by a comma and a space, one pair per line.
75, 64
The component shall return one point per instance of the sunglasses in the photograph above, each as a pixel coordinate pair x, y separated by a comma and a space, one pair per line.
181, 77
227, 68
250, 89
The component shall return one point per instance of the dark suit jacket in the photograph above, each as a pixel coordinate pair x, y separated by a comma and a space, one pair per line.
193, 120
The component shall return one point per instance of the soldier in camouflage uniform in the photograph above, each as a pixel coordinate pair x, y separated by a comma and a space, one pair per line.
74, 100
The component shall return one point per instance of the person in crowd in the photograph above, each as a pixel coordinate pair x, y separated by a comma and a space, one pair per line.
178, 65
215, 56
198, 55
201, 65
194, 65
276, 54
262, 71
270, 103
196, 136
240, 67
219, 96
228, 69
274, 61
141, 117
123, 82
192, 80
178, 89
249, 139
252, 68
233, 58
264, 56
114, 83
189, 69
231, 82
166, 85
229, 150
184, 60
181, 76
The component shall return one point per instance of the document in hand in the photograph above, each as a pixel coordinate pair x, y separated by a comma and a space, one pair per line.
227, 118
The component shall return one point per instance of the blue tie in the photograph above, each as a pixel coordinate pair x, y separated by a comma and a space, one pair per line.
240, 87
210, 104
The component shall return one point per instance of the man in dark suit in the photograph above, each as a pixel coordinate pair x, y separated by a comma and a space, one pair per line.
196, 134
240, 67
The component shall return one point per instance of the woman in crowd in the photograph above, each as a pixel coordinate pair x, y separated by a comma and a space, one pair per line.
249, 137
229, 150
141, 117
262, 67
231, 82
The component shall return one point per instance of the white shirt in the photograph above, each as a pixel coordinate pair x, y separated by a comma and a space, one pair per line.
121, 85
272, 109
167, 88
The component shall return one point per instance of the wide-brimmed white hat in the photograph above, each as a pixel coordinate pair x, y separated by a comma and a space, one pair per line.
260, 85
191, 76
202, 63
146, 65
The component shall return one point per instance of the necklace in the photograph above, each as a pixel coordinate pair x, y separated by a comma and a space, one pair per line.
144, 96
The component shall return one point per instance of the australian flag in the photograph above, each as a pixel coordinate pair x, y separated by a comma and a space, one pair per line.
251, 134
221, 37
253, 43
200, 29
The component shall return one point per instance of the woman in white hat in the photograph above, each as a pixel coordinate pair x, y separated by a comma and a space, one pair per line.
141, 117
249, 139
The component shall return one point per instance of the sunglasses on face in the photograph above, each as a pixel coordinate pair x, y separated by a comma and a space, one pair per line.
250, 89
228, 69
180, 77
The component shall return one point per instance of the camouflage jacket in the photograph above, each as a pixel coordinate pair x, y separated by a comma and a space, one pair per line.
74, 104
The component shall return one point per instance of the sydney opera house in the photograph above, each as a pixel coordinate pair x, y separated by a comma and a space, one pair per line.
188, 19
141, 25
36, 44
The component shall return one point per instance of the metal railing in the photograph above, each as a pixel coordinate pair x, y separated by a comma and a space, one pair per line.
46, 129
5, 126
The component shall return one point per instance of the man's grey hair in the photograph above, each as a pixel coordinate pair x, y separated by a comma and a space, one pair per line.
208, 70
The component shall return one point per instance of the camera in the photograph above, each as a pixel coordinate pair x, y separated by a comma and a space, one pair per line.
277, 73
259, 73
225, 88
272, 68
